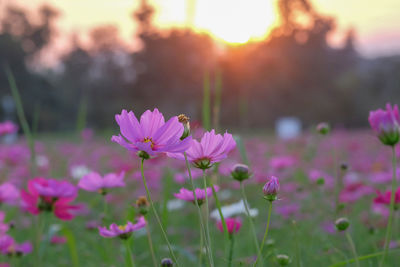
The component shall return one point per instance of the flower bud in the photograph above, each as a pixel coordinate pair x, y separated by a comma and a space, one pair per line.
186, 125
323, 128
143, 205
344, 166
167, 262
143, 154
271, 189
386, 124
283, 259
240, 172
342, 224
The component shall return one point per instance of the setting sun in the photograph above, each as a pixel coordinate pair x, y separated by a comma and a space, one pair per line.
235, 21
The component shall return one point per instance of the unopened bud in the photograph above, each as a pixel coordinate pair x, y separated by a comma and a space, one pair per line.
342, 224
271, 189
344, 166
240, 172
143, 205
323, 128
282, 259
186, 125
167, 262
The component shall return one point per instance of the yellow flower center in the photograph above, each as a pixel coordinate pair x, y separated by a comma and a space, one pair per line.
147, 140
122, 227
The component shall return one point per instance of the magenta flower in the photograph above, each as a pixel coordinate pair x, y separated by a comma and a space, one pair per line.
122, 231
385, 123
271, 188
152, 135
232, 224
211, 149
384, 198
8, 246
94, 182
58, 240
50, 195
8, 127
8, 193
188, 195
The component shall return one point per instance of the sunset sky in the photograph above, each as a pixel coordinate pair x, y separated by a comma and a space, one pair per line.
377, 22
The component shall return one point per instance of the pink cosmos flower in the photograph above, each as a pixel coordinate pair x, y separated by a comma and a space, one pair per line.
188, 195
8, 193
232, 224
8, 127
122, 231
94, 182
385, 123
384, 198
8, 246
58, 240
50, 195
152, 135
3, 226
211, 149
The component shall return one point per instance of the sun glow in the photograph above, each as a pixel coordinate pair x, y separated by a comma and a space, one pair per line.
235, 21
232, 21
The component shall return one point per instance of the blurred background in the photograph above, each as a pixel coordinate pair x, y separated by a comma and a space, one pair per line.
79, 62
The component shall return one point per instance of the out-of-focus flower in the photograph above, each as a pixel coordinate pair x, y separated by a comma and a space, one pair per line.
240, 172
122, 231
143, 205
384, 198
283, 259
8, 193
3, 226
282, 162
232, 224
386, 124
188, 195
211, 149
58, 240
8, 127
271, 189
50, 195
87, 134
323, 128
354, 191
78, 171
94, 182
167, 262
9, 247
152, 135
233, 210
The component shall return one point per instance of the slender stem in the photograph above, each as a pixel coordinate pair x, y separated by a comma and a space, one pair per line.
156, 215
231, 250
221, 215
128, 256
201, 249
38, 239
208, 240
105, 209
203, 231
265, 234
153, 256
392, 199
298, 257
253, 230
353, 248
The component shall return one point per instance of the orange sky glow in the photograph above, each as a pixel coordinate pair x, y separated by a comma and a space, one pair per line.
377, 23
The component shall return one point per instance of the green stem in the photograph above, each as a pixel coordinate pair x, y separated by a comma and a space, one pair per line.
392, 199
208, 240
265, 234
38, 239
22, 118
298, 257
128, 256
221, 215
253, 230
156, 215
153, 256
201, 249
353, 248
231, 251
203, 231
361, 258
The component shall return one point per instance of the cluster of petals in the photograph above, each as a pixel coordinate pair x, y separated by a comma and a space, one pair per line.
94, 182
9, 246
122, 231
50, 195
188, 195
152, 134
211, 149
8, 127
384, 198
232, 224
386, 124
8, 193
